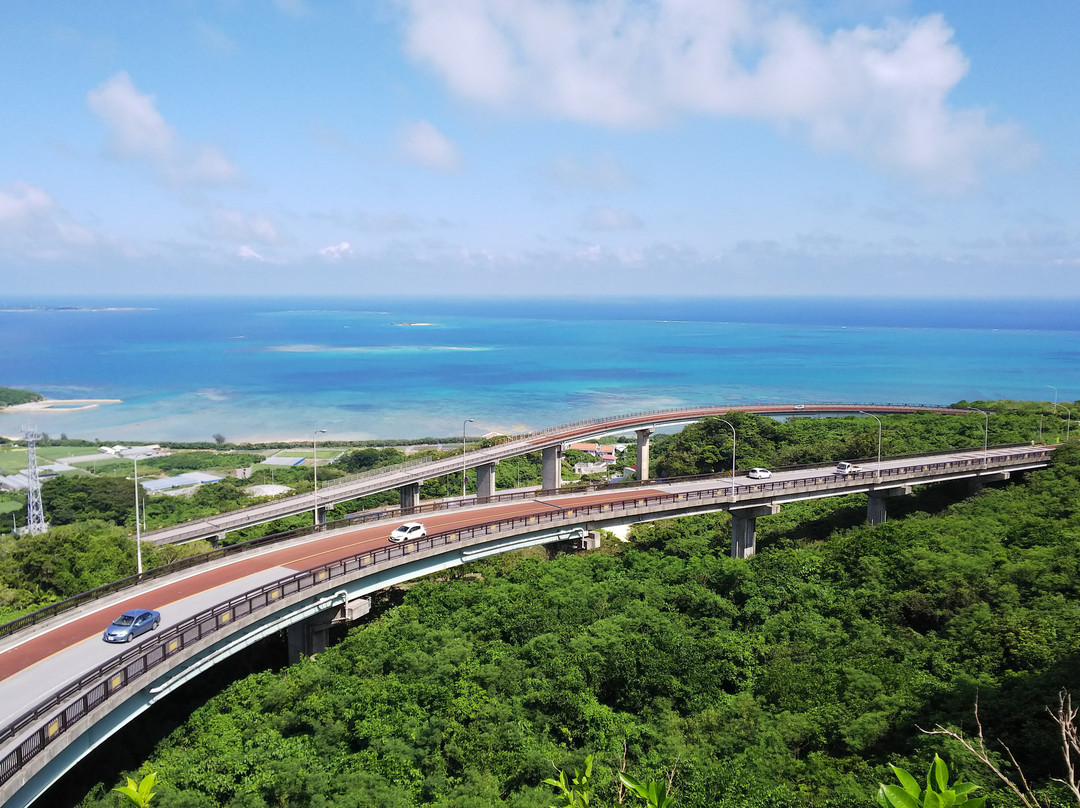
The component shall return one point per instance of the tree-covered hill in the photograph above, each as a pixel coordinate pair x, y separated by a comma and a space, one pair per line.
789, 679
11, 395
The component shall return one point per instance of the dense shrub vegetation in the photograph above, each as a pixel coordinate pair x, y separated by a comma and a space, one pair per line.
789, 679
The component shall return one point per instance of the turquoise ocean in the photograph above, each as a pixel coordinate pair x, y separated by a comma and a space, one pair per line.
278, 369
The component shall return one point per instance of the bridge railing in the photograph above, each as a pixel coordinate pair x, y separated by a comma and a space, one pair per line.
59, 712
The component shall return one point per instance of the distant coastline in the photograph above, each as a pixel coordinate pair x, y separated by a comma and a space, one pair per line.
15, 309
61, 404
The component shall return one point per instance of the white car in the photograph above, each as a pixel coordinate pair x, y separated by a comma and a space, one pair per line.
844, 467
759, 474
408, 532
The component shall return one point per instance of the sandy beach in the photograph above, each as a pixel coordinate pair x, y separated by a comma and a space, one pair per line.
61, 404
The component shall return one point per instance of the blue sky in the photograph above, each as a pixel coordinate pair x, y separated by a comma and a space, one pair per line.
541, 147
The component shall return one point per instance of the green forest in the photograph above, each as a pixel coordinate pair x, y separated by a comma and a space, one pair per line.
12, 395
793, 678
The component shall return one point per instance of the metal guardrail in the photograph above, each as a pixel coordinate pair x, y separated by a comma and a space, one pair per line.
59, 712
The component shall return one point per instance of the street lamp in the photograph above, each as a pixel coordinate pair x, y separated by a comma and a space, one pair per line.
986, 432
1055, 395
138, 532
467, 421
877, 471
315, 470
732, 455
1068, 423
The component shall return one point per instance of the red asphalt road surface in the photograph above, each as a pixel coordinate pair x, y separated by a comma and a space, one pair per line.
298, 557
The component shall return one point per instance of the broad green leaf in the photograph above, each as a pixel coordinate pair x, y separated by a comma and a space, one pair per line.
898, 798
941, 775
910, 784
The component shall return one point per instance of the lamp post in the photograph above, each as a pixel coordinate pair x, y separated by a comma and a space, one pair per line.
315, 470
732, 455
986, 432
138, 532
1055, 395
1068, 423
877, 471
467, 421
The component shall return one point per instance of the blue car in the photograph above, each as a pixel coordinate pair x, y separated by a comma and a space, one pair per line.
131, 624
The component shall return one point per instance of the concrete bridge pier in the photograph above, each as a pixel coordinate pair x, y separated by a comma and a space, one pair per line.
309, 637
744, 528
320, 514
551, 460
409, 495
877, 503
485, 481
643, 453
975, 484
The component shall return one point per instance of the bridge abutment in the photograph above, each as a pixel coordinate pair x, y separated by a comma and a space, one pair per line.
744, 528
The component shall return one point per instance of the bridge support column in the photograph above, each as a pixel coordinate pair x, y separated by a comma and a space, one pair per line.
309, 637
409, 495
643, 453
551, 459
320, 514
877, 503
485, 481
744, 528
354, 609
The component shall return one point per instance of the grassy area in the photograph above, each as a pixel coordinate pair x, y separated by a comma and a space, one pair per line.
13, 459
325, 452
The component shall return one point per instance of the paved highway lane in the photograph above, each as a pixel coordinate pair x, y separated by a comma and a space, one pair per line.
44, 659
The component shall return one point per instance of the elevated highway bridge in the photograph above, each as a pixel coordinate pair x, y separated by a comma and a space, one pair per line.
63, 691
408, 476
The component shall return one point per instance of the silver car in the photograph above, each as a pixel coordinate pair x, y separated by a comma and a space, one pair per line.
131, 624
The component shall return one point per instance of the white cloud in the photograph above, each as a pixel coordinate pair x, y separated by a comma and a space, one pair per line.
22, 203
246, 253
422, 143
879, 93
336, 252
138, 132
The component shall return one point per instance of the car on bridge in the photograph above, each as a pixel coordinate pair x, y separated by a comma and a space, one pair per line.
131, 624
844, 467
408, 532
759, 474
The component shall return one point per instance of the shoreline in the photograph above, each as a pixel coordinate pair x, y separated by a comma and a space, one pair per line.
60, 405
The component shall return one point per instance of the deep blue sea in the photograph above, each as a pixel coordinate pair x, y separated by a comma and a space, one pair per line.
254, 369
